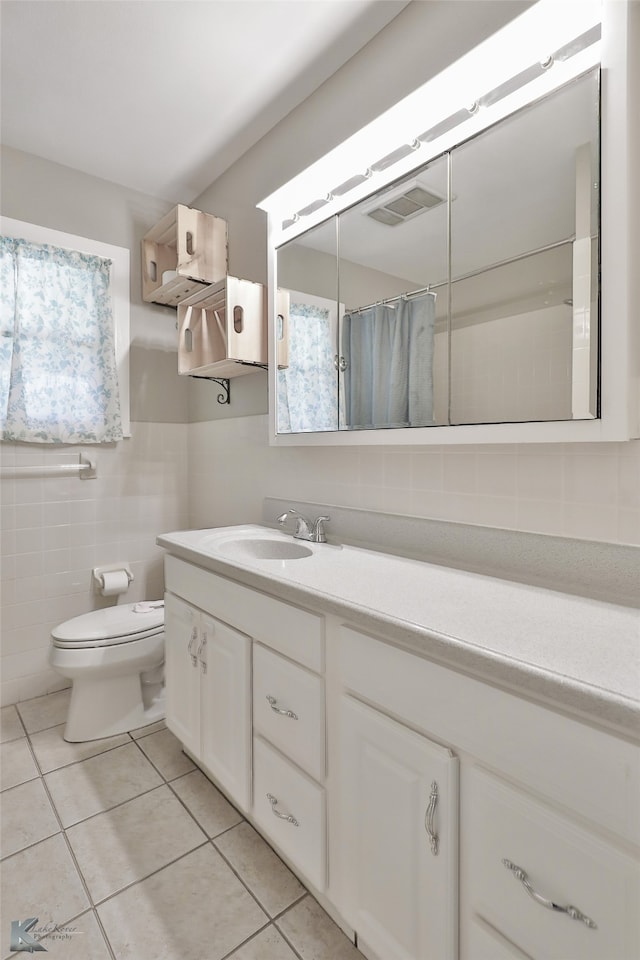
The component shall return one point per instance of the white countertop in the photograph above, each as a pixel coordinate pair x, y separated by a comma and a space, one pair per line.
577, 654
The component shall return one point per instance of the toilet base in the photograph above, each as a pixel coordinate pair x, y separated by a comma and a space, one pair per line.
106, 706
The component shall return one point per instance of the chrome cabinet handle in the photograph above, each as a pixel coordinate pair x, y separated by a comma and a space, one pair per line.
201, 654
194, 656
572, 912
282, 816
428, 819
276, 709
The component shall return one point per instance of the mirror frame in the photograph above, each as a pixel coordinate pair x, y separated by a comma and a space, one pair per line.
620, 278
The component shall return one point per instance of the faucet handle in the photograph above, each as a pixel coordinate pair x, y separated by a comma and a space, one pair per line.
319, 535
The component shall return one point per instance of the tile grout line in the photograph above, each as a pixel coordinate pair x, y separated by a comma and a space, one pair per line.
93, 906
62, 831
230, 956
134, 883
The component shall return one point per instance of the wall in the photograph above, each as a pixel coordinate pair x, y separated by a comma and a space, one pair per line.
54, 530
588, 491
578, 490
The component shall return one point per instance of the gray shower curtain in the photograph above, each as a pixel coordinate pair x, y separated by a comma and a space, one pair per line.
388, 349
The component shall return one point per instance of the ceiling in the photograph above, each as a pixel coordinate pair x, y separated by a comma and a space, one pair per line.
163, 95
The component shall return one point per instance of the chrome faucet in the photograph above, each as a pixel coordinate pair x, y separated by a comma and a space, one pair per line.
312, 530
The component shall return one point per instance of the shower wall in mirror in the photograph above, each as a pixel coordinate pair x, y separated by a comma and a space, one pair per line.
465, 293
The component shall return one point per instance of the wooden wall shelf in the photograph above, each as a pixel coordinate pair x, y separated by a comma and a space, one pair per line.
185, 252
223, 329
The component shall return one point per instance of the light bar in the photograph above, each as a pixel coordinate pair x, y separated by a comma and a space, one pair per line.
541, 50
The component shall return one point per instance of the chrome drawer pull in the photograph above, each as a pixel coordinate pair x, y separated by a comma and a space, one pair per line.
201, 654
194, 656
573, 912
282, 816
276, 709
428, 819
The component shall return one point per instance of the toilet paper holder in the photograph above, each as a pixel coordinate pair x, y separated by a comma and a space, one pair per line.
98, 574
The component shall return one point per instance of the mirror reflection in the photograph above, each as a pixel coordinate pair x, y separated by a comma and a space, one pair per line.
307, 333
465, 293
393, 247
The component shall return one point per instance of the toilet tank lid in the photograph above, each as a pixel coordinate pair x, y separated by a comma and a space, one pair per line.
118, 621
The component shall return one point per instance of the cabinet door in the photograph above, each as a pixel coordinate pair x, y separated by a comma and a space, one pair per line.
182, 676
400, 887
225, 658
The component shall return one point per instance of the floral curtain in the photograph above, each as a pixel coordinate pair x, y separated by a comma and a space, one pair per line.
308, 387
58, 374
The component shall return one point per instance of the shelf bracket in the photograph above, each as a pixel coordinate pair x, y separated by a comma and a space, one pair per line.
222, 382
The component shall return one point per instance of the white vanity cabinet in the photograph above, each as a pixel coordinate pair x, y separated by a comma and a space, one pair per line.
434, 814
399, 826
208, 682
246, 697
555, 798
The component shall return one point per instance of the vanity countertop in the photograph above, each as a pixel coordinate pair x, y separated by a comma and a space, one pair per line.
579, 655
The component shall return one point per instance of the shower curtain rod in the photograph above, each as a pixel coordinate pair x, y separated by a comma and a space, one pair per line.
467, 276
410, 295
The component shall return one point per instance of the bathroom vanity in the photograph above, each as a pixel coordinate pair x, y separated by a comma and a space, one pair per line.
450, 762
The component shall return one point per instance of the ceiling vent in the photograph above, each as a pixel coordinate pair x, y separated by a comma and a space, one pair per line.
404, 204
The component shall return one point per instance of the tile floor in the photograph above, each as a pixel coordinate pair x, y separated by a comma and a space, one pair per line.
128, 849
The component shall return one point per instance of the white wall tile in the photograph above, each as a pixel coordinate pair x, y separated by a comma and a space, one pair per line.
541, 488
540, 476
591, 478
55, 529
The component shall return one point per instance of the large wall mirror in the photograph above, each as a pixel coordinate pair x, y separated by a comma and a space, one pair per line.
465, 293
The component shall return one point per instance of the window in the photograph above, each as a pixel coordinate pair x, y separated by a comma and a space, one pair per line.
72, 300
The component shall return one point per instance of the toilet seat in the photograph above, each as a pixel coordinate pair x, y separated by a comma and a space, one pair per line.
110, 627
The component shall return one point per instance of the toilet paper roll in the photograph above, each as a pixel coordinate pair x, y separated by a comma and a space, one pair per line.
115, 582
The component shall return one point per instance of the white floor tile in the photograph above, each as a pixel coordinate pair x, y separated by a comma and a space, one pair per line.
314, 934
195, 908
270, 881
43, 712
10, 725
116, 848
92, 786
42, 882
267, 945
211, 809
165, 752
52, 750
27, 817
16, 763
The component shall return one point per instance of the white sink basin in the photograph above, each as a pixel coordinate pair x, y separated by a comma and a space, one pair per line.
255, 549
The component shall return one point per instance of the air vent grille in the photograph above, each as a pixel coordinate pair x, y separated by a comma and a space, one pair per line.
405, 206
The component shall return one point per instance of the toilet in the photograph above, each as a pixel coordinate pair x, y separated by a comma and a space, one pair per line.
114, 658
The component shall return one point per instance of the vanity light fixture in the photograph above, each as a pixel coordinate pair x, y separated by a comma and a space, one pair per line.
351, 183
570, 30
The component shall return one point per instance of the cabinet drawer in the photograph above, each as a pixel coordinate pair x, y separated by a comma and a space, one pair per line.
563, 863
296, 795
296, 633
280, 689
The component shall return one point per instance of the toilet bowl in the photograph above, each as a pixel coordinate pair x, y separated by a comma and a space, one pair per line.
114, 658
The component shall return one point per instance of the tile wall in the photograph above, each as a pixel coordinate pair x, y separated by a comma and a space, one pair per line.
173, 476
588, 491
55, 529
